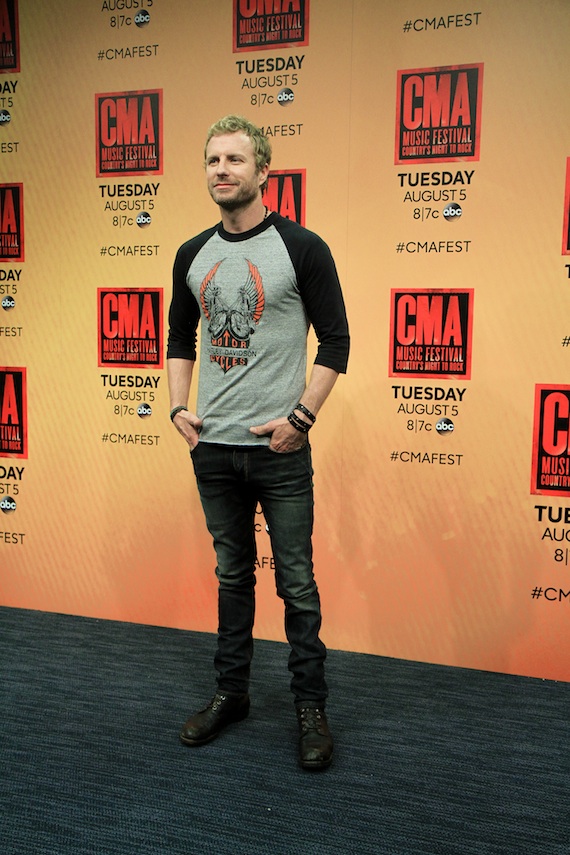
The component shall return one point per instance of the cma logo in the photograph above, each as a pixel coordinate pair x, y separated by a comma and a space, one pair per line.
429, 319
555, 433
285, 194
128, 315
128, 120
9, 209
436, 100
551, 441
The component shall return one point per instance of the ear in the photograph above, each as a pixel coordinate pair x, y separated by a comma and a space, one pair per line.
263, 173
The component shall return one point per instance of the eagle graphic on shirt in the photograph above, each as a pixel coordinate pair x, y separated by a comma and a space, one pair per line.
231, 326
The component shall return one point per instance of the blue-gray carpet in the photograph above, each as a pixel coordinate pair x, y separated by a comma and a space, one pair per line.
429, 760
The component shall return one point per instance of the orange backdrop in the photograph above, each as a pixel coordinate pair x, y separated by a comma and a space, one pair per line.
428, 546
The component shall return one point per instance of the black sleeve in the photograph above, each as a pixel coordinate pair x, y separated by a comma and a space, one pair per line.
184, 313
321, 293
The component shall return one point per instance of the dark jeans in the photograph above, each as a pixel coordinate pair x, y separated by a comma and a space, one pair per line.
231, 481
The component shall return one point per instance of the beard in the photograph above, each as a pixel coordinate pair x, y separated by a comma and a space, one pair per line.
241, 198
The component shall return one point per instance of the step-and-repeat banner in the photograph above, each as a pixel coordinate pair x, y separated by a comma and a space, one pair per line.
430, 148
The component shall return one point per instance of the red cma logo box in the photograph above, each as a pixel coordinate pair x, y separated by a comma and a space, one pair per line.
129, 133
11, 222
550, 474
566, 226
13, 413
438, 114
130, 327
270, 24
431, 332
9, 37
285, 193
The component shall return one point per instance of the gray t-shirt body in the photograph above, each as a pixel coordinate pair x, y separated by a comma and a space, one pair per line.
256, 294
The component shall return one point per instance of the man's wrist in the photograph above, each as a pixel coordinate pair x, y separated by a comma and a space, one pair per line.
298, 423
175, 410
306, 412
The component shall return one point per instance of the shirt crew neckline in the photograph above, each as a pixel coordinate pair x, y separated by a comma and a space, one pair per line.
256, 230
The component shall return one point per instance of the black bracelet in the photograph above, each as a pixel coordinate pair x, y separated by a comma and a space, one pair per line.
298, 424
176, 410
302, 408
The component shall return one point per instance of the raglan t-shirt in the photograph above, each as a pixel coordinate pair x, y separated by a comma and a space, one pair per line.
256, 294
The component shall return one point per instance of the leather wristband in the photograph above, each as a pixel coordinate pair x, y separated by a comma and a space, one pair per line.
176, 410
303, 409
298, 424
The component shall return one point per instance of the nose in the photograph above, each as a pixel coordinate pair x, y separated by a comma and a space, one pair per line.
222, 166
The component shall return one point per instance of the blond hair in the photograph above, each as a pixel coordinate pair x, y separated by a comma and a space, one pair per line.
234, 124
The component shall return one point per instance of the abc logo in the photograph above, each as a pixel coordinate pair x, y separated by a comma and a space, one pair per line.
144, 411
5, 117
142, 19
144, 220
7, 505
453, 211
8, 303
285, 97
445, 426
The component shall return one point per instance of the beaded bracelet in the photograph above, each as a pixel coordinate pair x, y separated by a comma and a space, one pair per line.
176, 410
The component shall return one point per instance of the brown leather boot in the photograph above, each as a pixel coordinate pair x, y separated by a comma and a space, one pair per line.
315, 740
207, 724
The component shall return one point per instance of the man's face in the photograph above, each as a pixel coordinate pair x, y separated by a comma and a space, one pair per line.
232, 175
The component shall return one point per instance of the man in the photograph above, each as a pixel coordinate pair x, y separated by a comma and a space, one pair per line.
256, 281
